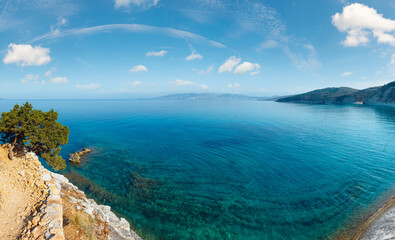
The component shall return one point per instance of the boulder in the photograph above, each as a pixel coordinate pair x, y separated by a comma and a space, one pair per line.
76, 157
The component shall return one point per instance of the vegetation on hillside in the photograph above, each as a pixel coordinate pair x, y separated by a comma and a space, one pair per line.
35, 130
343, 95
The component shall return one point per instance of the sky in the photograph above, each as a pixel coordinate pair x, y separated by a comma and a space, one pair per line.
72, 49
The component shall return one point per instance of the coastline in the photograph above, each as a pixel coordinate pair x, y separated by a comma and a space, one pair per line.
58, 210
370, 228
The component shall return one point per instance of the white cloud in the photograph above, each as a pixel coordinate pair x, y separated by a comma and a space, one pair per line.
26, 55
234, 85
360, 21
393, 59
247, 67
48, 73
268, 45
180, 82
209, 69
203, 86
92, 86
59, 80
136, 84
193, 56
229, 64
138, 3
346, 74
156, 54
303, 59
139, 68
135, 28
30, 78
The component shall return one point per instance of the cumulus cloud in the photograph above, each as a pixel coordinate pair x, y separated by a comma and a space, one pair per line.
346, 74
247, 67
360, 21
137, 3
229, 64
180, 82
59, 80
234, 85
156, 54
26, 55
92, 86
30, 78
193, 56
139, 68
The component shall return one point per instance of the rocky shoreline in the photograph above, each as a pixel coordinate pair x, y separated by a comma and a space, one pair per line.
59, 210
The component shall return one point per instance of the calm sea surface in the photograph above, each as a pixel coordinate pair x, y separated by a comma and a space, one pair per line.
232, 170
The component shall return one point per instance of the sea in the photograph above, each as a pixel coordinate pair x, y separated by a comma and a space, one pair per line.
217, 169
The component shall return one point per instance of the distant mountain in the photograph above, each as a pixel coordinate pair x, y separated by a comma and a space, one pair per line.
344, 95
206, 96
320, 96
384, 95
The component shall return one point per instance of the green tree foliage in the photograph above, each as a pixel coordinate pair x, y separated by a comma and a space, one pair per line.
37, 131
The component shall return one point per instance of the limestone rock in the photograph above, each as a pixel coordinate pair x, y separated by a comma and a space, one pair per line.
76, 157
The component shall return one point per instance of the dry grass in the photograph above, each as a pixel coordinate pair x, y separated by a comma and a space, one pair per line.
85, 222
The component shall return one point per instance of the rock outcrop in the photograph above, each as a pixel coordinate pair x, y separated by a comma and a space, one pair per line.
119, 228
76, 157
37, 204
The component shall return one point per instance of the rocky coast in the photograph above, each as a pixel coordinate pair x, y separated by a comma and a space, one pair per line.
36, 203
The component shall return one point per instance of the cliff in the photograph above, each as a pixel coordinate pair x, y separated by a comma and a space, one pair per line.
384, 95
38, 204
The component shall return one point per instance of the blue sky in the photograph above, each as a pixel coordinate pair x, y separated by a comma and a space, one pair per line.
144, 48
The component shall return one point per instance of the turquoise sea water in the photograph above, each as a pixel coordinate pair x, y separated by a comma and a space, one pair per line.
232, 170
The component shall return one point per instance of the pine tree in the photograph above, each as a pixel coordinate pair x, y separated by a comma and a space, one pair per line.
37, 131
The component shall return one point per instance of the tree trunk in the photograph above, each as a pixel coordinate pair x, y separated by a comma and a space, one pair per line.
11, 152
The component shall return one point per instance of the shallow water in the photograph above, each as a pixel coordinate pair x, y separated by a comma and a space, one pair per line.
232, 170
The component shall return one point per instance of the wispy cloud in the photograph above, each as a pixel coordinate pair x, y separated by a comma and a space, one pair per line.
59, 80
306, 58
136, 84
156, 54
193, 56
180, 82
346, 74
268, 44
135, 28
234, 85
203, 72
83, 62
203, 86
92, 86
136, 3
30, 78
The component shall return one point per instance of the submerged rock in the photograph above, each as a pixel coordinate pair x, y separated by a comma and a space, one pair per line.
76, 157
